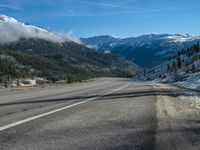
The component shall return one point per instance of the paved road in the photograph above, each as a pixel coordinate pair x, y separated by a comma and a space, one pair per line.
102, 114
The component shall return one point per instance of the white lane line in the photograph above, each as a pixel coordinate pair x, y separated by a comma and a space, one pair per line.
57, 110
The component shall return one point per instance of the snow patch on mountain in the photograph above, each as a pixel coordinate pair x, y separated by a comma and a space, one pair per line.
182, 38
13, 30
156, 47
8, 19
98, 41
110, 42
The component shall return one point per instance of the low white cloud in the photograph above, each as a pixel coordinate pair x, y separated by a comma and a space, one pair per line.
69, 35
14, 31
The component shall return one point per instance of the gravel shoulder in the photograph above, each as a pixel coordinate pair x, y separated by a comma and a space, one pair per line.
178, 122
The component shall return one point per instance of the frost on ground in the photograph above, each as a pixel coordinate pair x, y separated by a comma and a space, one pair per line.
195, 100
192, 82
193, 97
188, 90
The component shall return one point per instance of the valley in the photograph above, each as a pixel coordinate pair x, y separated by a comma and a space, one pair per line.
156, 47
52, 57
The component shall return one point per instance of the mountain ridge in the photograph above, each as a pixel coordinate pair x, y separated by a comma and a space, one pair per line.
13, 30
27, 51
157, 47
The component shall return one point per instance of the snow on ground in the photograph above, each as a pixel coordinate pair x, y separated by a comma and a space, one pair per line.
187, 90
194, 100
192, 82
193, 97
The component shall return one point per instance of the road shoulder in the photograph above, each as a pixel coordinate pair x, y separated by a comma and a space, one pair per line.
178, 125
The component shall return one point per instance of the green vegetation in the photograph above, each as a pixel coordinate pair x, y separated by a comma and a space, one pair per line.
73, 78
126, 74
184, 59
68, 61
193, 68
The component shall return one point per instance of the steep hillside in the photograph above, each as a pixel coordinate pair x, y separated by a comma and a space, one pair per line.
182, 69
56, 61
156, 47
31, 51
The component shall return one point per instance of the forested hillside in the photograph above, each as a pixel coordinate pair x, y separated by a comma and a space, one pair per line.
183, 69
58, 61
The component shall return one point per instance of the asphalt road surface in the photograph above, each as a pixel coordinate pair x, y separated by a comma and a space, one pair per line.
105, 113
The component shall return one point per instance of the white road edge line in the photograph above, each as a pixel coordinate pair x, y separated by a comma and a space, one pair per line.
57, 110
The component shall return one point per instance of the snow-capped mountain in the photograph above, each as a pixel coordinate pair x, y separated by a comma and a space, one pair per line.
29, 51
145, 50
8, 19
98, 41
13, 30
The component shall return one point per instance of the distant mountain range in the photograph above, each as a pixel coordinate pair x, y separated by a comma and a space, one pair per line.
146, 50
27, 51
31, 51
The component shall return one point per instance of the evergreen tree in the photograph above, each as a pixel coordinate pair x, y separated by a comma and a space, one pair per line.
193, 68
168, 68
144, 72
175, 67
18, 82
179, 63
186, 68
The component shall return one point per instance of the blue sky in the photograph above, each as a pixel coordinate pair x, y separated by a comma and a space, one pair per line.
123, 18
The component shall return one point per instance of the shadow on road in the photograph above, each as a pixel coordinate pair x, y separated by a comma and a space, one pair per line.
121, 95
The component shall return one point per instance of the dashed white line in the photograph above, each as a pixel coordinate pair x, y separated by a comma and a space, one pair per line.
57, 110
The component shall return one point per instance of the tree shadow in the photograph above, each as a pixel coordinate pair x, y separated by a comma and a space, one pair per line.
119, 95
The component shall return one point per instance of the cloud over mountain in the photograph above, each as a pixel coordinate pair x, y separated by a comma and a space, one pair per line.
13, 30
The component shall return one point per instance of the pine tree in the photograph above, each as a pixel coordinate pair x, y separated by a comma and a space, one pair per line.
193, 68
175, 67
179, 63
186, 68
168, 67
18, 84
144, 72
